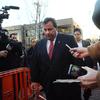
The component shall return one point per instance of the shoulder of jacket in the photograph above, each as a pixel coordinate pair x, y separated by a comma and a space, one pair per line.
66, 35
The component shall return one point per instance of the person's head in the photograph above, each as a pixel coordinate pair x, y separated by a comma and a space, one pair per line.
33, 41
78, 34
13, 36
50, 28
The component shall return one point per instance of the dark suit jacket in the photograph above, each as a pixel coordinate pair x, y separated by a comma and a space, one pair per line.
85, 43
45, 71
30, 57
13, 59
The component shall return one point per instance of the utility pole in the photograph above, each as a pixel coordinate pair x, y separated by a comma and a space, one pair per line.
37, 20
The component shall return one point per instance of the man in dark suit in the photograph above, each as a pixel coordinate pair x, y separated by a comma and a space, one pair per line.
47, 69
30, 53
87, 60
83, 43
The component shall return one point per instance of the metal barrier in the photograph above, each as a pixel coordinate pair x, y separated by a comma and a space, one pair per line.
15, 84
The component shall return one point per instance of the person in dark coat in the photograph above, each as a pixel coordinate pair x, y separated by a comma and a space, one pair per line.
88, 61
92, 78
11, 51
30, 53
52, 61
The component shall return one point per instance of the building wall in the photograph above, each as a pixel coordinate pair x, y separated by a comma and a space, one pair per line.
26, 32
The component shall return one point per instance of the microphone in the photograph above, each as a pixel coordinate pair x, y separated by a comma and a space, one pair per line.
13, 7
10, 7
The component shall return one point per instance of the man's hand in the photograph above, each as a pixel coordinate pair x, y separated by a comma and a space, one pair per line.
89, 80
3, 53
79, 52
36, 87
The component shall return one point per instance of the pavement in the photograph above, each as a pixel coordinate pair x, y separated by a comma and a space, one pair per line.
95, 94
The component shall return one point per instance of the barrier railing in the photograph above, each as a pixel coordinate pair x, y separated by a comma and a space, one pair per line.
15, 84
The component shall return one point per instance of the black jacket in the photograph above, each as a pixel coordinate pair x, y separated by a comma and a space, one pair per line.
45, 71
13, 58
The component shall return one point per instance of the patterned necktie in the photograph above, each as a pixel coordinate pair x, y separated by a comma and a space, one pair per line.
51, 46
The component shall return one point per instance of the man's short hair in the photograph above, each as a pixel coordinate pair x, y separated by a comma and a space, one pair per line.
13, 34
46, 20
78, 29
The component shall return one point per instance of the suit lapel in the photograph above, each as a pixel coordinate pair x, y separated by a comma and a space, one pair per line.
44, 49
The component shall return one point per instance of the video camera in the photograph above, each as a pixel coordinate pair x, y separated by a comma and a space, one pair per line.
14, 48
4, 14
4, 40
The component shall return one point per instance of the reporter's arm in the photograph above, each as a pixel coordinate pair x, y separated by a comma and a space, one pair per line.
36, 87
79, 52
90, 79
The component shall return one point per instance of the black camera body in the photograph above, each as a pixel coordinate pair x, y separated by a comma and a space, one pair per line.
4, 14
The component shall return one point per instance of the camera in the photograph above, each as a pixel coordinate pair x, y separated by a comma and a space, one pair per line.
4, 40
9, 47
4, 14
76, 71
12, 45
13, 48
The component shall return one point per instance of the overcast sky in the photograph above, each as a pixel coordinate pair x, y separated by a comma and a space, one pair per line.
80, 10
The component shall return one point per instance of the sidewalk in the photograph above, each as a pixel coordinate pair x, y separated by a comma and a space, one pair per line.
95, 94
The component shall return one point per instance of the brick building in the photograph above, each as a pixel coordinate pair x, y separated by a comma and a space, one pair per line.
26, 32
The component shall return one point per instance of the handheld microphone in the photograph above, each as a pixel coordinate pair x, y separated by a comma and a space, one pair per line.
10, 7
13, 7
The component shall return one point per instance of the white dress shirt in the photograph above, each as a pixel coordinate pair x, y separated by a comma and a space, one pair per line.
48, 43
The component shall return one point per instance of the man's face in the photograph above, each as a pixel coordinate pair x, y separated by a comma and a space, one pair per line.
14, 37
49, 31
33, 42
78, 36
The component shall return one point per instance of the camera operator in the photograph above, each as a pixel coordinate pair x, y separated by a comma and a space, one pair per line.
10, 52
13, 36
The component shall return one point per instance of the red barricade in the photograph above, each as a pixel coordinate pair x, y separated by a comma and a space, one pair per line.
15, 84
